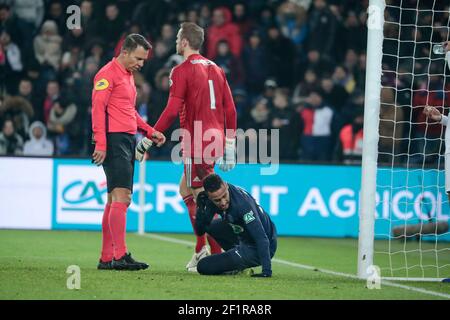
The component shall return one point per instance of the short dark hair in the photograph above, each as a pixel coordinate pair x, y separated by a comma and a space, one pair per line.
193, 33
4, 6
133, 40
212, 183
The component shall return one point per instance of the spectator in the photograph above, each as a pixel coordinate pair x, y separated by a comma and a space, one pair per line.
168, 37
192, 16
241, 102
285, 119
242, 19
355, 102
333, 95
351, 139
10, 24
390, 127
52, 95
270, 85
205, 16
30, 14
321, 21
351, 61
55, 13
12, 67
319, 63
318, 129
74, 38
156, 63
112, 26
38, 145
231, 66
355, 32
26, 91
11, 143
291, 19
159, 96
281, 52
146, 9
343, 78
259, 115
266, 19
47, 46
61, 125
259, 119
303, 89
223, 28
71, 66
95, 50
19, 111
254, 60
88, 23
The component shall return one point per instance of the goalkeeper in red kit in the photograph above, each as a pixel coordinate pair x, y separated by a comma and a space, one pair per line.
200, 95
115, 122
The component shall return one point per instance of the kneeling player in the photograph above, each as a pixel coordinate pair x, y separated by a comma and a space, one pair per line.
244, 229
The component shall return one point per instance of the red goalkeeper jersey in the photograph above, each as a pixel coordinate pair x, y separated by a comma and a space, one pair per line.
200, 94
113, 104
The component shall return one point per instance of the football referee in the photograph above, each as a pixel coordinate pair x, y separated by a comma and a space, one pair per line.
115, 122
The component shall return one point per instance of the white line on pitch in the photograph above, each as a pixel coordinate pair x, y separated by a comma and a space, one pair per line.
303, 266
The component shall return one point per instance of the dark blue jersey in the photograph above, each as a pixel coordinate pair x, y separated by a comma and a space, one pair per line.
250, 223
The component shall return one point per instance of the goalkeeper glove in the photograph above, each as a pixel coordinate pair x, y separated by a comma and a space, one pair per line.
142, 147
228, 161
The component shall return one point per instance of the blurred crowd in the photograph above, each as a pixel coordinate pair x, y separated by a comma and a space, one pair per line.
294, 65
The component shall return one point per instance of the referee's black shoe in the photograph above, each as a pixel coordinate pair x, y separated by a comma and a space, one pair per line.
104, 265
128, 263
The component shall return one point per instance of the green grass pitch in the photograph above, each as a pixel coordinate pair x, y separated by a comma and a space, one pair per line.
33, 266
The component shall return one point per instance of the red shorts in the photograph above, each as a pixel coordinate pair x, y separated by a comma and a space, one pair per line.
195, 171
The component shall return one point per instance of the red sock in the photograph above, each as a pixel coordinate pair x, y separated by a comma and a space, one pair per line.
192, 209
215, 247
118, 224
107, 243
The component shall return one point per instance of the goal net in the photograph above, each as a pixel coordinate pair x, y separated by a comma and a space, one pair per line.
410, 228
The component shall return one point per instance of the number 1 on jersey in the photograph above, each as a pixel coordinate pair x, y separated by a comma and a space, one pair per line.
211, 94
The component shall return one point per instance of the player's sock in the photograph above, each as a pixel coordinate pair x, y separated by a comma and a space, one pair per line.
107, 242
117, 224
192, 209
215, 247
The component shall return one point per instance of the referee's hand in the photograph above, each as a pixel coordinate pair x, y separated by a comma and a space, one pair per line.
433, 113
98, 157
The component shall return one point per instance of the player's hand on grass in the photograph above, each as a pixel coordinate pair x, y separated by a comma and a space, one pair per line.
98, 157
204, 214
142, 147
262, 275
432, 113
228, 161
158, 138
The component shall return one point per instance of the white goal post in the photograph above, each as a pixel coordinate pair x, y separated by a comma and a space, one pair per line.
404, 211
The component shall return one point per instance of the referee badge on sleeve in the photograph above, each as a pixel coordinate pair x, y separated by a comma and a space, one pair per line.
101, 84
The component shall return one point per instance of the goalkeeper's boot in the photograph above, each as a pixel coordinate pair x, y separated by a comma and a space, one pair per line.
196, 257
104, 265
128, 263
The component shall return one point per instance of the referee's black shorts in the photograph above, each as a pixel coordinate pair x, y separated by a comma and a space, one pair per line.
119, 162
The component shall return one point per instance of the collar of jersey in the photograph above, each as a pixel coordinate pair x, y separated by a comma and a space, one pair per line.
120, 67
194, 55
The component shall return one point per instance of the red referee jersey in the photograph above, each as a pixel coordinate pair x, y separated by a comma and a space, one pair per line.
199, 92
113, 104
